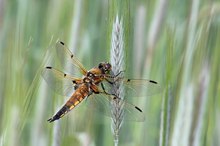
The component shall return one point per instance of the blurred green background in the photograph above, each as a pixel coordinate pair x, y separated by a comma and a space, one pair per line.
176, 43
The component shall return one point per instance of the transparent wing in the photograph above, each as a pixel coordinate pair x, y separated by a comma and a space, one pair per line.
141, 87
65, 56
135, 87
109, 104
60, 82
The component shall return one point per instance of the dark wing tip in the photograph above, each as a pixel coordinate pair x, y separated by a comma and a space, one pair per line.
138, 109
62, 43
153, 82
49, 67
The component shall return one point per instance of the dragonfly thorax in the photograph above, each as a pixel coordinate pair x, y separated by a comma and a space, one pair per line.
93, 76
89, 78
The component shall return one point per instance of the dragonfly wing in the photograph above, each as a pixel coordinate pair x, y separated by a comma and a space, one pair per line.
60, 82
65, 56
134, 87
141, 87
109, 105
97, 103
131, 112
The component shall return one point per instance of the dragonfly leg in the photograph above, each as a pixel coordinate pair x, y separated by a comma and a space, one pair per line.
104, 91
110, 82
114, 77
119, 73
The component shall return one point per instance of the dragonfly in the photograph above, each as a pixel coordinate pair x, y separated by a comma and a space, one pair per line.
94, 86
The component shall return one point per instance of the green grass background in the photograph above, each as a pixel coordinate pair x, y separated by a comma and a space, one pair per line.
176, 43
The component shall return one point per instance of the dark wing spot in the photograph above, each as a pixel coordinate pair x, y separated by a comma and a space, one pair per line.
72, 56
114, 97
138, 108
153, 81
49, 67
64, 75
128, 80
74, 82
62, 43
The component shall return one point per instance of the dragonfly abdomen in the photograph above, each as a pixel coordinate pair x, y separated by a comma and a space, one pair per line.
81, 93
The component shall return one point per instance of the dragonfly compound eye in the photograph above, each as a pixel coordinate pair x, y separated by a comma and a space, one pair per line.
107, 67
100, 65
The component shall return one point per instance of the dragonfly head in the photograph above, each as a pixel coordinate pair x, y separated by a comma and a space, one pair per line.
105, 67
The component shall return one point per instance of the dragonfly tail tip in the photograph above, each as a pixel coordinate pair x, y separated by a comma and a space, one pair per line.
51, 120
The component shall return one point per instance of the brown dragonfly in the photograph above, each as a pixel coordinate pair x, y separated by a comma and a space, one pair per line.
94, 86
